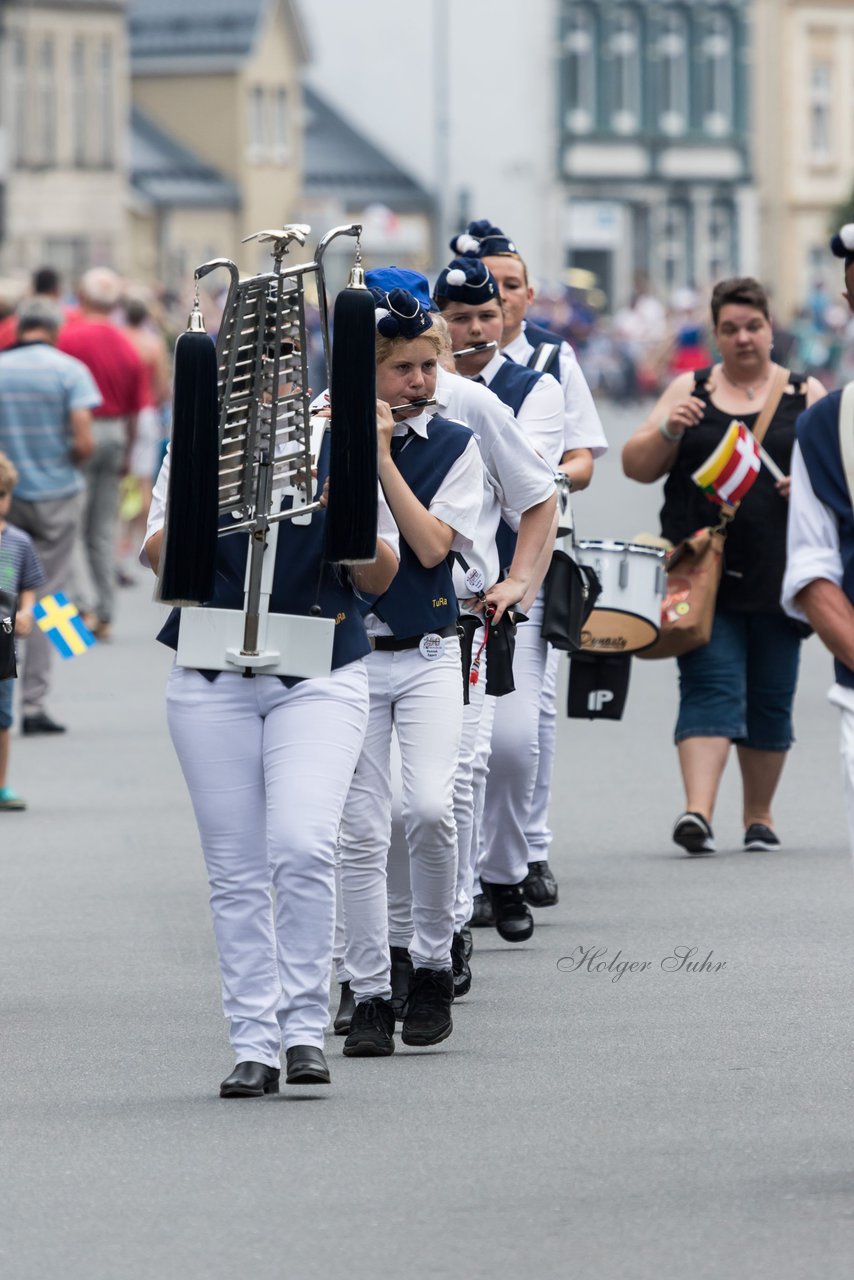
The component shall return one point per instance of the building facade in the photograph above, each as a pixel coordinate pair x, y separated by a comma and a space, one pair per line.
63, 135
804, 140
223, 79
654, 142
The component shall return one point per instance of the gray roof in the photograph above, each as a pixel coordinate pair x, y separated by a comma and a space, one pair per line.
339, 160
165, 172
198, 35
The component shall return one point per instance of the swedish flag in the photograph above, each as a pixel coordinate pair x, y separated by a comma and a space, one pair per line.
59, 619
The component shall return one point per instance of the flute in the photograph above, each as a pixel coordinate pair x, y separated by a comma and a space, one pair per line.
478, 346
413, 404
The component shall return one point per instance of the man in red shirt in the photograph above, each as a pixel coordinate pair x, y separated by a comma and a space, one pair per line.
120, 376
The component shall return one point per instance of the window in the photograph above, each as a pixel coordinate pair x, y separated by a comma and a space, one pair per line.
721, 240
79, 103
105, 107
821, 83
257, 124
579, 45
624, 49
672, 74
281, 126
45, 106
20, 105
717, 79
674, 246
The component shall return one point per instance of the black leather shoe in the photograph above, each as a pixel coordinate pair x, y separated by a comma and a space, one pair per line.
481, 913
40, 723
372, 1030
539, 886
513, 920
306, 1065
460, 967
428, 1009
250, 1080
468, 941
344, 1016
401, 979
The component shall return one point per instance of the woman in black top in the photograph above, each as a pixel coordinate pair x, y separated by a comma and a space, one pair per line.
740, 686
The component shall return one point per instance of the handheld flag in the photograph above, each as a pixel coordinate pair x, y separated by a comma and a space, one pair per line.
60, 621
729, 473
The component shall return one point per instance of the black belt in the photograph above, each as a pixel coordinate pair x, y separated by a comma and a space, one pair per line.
392, 644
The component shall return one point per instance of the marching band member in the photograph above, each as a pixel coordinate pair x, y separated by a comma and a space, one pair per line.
516, 479
268, 762
432, 478
584, 441
468, 298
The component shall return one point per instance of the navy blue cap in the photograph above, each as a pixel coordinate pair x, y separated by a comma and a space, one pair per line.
400, 314
842, 244
466, 280
482, 240
388, 278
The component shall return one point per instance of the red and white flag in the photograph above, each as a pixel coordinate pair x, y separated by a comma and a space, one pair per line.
731, 471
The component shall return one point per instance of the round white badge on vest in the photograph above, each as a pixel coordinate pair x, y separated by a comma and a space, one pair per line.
475, 581
432, 646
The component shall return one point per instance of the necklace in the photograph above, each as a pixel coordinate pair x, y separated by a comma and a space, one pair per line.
750, 391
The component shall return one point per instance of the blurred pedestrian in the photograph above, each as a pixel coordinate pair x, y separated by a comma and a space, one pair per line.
120, 376
46, 399
739, 687
20, 575
146, 455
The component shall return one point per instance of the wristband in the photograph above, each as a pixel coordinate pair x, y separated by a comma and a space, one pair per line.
668, 435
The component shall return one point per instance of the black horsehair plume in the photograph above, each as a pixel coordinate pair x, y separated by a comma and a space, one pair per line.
188, 558
351, 517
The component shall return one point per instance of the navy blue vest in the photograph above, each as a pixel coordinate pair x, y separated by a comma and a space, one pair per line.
301, 579
421, 600
818, 436
512, 384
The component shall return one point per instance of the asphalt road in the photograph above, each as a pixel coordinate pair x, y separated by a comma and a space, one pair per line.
634, 1124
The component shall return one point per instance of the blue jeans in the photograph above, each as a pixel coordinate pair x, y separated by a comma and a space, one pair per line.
741, 684
7, 689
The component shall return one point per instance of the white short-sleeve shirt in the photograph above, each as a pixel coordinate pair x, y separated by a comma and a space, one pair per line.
582, 424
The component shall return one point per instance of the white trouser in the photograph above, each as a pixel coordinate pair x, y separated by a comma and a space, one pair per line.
268, 769
513, 760
468, 802
538, 832
422, 701
846, 749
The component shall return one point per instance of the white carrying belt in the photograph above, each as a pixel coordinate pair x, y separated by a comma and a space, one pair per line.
846, 436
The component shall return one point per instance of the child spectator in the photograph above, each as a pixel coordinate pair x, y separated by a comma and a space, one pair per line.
20, 574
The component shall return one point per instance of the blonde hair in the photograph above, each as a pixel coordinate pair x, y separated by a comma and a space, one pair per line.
387, 346
8, 474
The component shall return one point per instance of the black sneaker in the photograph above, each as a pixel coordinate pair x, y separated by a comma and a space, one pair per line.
760, 836
481, 914
401, 979
427, 1018
40, 722
371, 1030
346, 1009
460, 967
693, 833
539, 885
513, 920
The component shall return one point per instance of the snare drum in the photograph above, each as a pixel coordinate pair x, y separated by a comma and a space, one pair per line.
627, 615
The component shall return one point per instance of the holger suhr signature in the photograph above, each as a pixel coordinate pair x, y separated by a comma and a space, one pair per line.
681, 959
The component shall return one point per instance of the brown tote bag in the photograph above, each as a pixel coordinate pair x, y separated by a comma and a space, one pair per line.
694, 567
